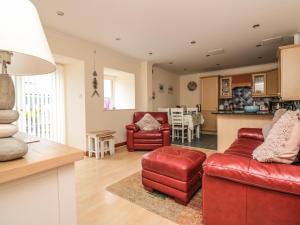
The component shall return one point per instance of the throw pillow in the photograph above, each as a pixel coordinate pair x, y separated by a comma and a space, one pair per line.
266, 129
148, 122
283, 142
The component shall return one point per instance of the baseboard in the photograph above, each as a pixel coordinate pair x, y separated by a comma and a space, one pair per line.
209, 132
120, 144
116, 145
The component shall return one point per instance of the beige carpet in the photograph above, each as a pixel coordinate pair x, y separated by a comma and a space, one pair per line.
131, 188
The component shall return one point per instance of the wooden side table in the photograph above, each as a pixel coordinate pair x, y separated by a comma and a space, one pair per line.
100, 142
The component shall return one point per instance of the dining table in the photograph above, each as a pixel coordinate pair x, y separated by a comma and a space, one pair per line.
193, 121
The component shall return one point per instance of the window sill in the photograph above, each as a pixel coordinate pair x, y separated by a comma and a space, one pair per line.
119, 109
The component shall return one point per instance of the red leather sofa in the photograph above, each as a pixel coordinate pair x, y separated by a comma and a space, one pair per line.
238, 190
148, 140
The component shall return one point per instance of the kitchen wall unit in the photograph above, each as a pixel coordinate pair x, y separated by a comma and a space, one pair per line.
259, 84
225, 87
289, 67
209, 94
263, 84
272, 81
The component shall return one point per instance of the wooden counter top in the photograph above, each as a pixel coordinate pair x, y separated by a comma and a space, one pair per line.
41, 156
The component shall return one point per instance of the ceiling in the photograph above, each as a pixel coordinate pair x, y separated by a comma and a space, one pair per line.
166, 27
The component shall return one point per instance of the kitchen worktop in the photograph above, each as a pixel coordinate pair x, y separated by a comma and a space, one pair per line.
42, 156
260, 113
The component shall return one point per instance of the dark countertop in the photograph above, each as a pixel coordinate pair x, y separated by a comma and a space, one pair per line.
259, 113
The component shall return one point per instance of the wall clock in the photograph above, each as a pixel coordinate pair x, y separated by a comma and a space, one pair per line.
192, 85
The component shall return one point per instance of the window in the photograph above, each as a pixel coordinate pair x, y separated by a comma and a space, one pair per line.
40, 102
119, 89
108, 92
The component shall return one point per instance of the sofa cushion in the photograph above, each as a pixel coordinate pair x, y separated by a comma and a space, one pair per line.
178, 163
283, 142
148, 123
243, 147
144, 134
272, 176
252, 133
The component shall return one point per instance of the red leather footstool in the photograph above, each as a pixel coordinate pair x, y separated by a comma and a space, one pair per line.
174, 171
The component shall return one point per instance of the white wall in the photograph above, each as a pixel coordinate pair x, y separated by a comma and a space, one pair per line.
165, 99
75, 104
96, 118
192, 98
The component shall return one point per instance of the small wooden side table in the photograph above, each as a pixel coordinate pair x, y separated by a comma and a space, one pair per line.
100, 142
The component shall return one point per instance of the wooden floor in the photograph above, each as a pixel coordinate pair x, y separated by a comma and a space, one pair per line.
96, 206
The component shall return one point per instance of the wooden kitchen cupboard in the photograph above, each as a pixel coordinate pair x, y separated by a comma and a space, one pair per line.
209, 93
272, 83
225, 87
289, 72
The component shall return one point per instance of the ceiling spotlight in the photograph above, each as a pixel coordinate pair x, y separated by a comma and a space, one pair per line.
150, 53
60, 13
118, 39
256, 26
259, 57
193, 42
258, 45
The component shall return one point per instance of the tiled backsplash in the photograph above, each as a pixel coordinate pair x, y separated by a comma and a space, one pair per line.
243, 96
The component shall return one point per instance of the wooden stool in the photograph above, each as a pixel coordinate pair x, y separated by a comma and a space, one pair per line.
100, 142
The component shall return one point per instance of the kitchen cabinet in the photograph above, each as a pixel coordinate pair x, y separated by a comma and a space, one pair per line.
289, 72
209, 94
225, 87
272, 80
259, 84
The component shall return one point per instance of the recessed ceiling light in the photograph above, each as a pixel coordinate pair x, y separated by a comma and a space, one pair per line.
193, 42
60, 13
150, 53
258, 45
118, 39
256, 25
170, 63
259, 57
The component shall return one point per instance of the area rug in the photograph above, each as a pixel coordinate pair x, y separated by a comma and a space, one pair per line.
131, 188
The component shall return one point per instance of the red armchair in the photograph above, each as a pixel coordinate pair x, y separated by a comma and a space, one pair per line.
238, 190
148, 140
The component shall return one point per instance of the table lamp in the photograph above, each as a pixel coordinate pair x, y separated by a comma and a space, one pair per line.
24, 50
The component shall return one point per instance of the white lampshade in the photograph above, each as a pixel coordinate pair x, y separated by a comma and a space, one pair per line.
23, 35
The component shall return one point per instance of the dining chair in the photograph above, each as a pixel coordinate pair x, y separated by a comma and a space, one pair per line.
192, 110
167, 110
179, 128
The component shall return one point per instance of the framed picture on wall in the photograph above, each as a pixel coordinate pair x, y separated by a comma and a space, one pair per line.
161, 88
170, 89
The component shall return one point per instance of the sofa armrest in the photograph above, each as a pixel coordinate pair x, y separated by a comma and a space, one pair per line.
132, 127
272, 176
252, 133
165, 126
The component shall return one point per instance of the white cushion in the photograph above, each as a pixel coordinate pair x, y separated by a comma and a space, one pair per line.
283, 142
148, 122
